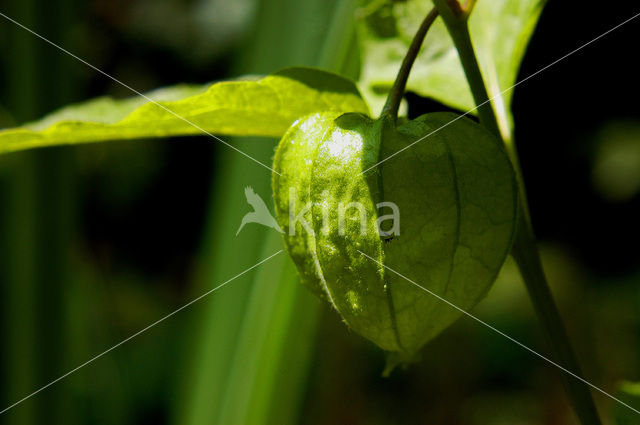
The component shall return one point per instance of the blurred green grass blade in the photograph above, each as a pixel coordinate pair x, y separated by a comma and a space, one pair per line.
500, 30
103, 389
19, 291
38, 231
272, 361
270, 396
17, 252
280, 390
263, 344
264, 107
211, 351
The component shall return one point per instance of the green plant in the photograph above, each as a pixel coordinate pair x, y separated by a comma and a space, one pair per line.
271, 105
458, 200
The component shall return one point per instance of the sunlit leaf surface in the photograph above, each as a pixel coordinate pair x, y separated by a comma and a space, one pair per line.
500, 30
258, 107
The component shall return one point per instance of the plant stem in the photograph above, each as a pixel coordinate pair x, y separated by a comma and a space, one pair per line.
524, 250
392, 104
526, 254
462, 41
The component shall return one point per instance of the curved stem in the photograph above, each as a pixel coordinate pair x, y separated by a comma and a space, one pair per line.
392, 104
526, 254
462, 41
524, 249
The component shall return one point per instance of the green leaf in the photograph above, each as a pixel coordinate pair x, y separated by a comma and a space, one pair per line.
629, 393
265, 107
500, 30
456, 200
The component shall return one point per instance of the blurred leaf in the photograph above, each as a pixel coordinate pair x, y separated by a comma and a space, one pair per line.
515, 408
628, 392
265, 107
198, 31
616, 166
500, 30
